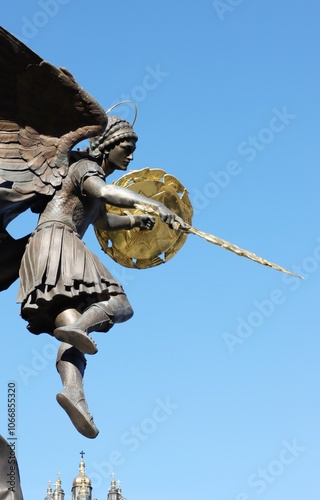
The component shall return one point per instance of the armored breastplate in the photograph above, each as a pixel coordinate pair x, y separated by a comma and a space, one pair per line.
71, 207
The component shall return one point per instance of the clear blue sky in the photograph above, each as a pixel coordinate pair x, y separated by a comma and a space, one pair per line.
212, 389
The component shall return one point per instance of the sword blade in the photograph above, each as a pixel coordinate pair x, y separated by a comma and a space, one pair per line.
215, 240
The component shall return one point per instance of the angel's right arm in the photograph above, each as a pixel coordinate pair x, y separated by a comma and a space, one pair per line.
114, 195
125, 198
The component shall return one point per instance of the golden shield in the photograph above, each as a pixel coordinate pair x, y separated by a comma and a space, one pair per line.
143, 249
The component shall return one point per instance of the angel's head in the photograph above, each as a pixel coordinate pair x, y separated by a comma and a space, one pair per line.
114, 148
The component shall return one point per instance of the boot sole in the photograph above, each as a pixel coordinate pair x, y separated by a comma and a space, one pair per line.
81, 423
77, 338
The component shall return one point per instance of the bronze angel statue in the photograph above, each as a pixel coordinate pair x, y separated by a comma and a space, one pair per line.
64, 291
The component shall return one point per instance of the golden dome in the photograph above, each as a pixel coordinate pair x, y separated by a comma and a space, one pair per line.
82, 479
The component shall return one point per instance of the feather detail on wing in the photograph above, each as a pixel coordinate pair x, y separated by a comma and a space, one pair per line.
43, 114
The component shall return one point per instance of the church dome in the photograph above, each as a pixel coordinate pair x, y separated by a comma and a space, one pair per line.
82, 479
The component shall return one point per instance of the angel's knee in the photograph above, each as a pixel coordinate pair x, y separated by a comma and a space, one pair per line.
118, 307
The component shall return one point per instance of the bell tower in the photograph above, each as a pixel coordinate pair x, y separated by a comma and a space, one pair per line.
49, 492
58, 493
115, 492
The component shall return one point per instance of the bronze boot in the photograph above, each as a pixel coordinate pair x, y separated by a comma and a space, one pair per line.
71, 365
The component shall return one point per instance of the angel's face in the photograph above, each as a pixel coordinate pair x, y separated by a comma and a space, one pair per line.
121, 154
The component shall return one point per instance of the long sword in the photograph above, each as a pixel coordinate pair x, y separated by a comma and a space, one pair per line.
211, 238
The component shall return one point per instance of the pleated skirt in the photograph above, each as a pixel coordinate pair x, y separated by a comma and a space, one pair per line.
59, 272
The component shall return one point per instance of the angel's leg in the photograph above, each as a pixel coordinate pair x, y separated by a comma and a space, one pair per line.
99, 317
71, 365
71, 362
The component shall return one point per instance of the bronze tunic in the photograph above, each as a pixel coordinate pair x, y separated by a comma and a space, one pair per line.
57, 270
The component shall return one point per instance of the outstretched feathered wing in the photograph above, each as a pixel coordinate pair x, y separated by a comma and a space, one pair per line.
43, 114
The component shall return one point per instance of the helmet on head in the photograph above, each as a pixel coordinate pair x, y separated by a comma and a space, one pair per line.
117, 130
